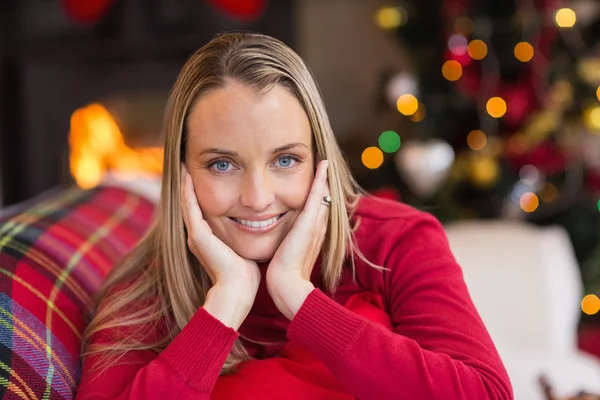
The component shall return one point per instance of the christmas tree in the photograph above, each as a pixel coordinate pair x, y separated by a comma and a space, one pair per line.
499, 116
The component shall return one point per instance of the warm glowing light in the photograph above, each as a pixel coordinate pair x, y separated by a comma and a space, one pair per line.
477, 49
590, 304
372, 157
389, 141
592, 118
97, 146
496, 107
463, 25
390, 17
476, 140
407, 104
565, 18
529, 202
524, 51
598, 93
484, 171
419, 115
548, 193
452, 70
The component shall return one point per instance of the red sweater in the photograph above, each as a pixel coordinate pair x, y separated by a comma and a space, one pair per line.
408, 333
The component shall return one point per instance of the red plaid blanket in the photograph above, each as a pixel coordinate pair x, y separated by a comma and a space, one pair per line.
53, 258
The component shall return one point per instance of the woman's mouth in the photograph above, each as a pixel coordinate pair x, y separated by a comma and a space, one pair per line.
258, 226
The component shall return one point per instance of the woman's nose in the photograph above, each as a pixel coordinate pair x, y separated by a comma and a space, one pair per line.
257, 192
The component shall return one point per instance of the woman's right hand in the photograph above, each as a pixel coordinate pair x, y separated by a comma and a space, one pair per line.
235, 279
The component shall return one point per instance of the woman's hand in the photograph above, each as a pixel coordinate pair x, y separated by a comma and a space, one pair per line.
235, 279
288, 274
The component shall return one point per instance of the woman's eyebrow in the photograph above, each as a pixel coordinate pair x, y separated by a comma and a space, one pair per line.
224, 152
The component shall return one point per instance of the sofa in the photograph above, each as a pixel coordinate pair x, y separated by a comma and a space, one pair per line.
55, 251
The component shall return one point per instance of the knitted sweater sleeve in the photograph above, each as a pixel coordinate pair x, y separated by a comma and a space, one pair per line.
439, 347
187, 368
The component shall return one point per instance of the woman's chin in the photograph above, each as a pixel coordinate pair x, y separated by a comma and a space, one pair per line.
260, 257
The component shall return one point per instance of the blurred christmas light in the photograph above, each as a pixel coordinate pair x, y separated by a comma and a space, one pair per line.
391, 17
389, 141
529, 202
592, 118
372, 157
457, 44
598, 205
419, 115
407, 104
484, 171
524, 51
476, 140
477, 49
590, 304
598, 93
565, 18
529, 174
399, 84
496, 107
463, 25
548, 193
452, 70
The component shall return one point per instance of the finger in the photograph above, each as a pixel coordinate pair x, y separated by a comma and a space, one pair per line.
313, 201
194, 215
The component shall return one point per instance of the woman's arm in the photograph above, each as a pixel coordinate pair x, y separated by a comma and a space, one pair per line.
187, 368
439, 347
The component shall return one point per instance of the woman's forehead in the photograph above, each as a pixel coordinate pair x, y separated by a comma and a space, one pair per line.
238, 116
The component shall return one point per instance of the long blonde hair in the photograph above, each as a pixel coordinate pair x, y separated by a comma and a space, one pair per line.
163, 278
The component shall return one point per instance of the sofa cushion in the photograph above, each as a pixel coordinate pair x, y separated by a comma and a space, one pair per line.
53, 258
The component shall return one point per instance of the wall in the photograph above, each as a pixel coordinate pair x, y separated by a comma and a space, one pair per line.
347, 52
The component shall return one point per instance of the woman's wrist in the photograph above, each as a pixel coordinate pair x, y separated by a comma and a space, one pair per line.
225, 304
290, 295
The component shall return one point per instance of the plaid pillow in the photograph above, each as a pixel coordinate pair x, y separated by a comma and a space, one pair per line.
53, 258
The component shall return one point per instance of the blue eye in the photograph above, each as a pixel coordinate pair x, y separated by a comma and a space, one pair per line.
286, 161
220, 165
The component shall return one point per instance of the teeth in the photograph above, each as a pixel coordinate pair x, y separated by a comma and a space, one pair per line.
258, 224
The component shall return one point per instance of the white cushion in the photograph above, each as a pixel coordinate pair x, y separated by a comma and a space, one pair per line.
523, 279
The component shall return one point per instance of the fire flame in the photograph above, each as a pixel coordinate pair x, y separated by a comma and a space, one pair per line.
97, 147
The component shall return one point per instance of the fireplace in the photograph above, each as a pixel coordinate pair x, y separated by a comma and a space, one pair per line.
52, 73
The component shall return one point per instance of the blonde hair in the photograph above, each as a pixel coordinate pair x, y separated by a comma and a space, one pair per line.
163, 278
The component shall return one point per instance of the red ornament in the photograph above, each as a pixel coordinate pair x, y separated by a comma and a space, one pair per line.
246, 10
86, 11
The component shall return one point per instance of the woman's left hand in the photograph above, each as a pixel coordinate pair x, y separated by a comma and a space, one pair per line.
288, 274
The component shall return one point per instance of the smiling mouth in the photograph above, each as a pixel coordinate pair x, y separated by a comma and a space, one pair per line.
259, 224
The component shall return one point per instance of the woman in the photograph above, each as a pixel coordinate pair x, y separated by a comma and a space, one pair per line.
268, 272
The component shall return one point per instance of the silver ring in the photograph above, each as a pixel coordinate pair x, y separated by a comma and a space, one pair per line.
326, 201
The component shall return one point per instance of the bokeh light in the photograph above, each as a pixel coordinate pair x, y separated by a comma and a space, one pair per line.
372, 157
484, 172
391, 17
407, 104
565, 18
476, 140
477, 49
529, 202
389, 141
548, 193
592, 118
496, 107
452, 70
524, 51
457, 44
598, 205
529, 174
419, 115
590, 304
598, 93
463, 25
